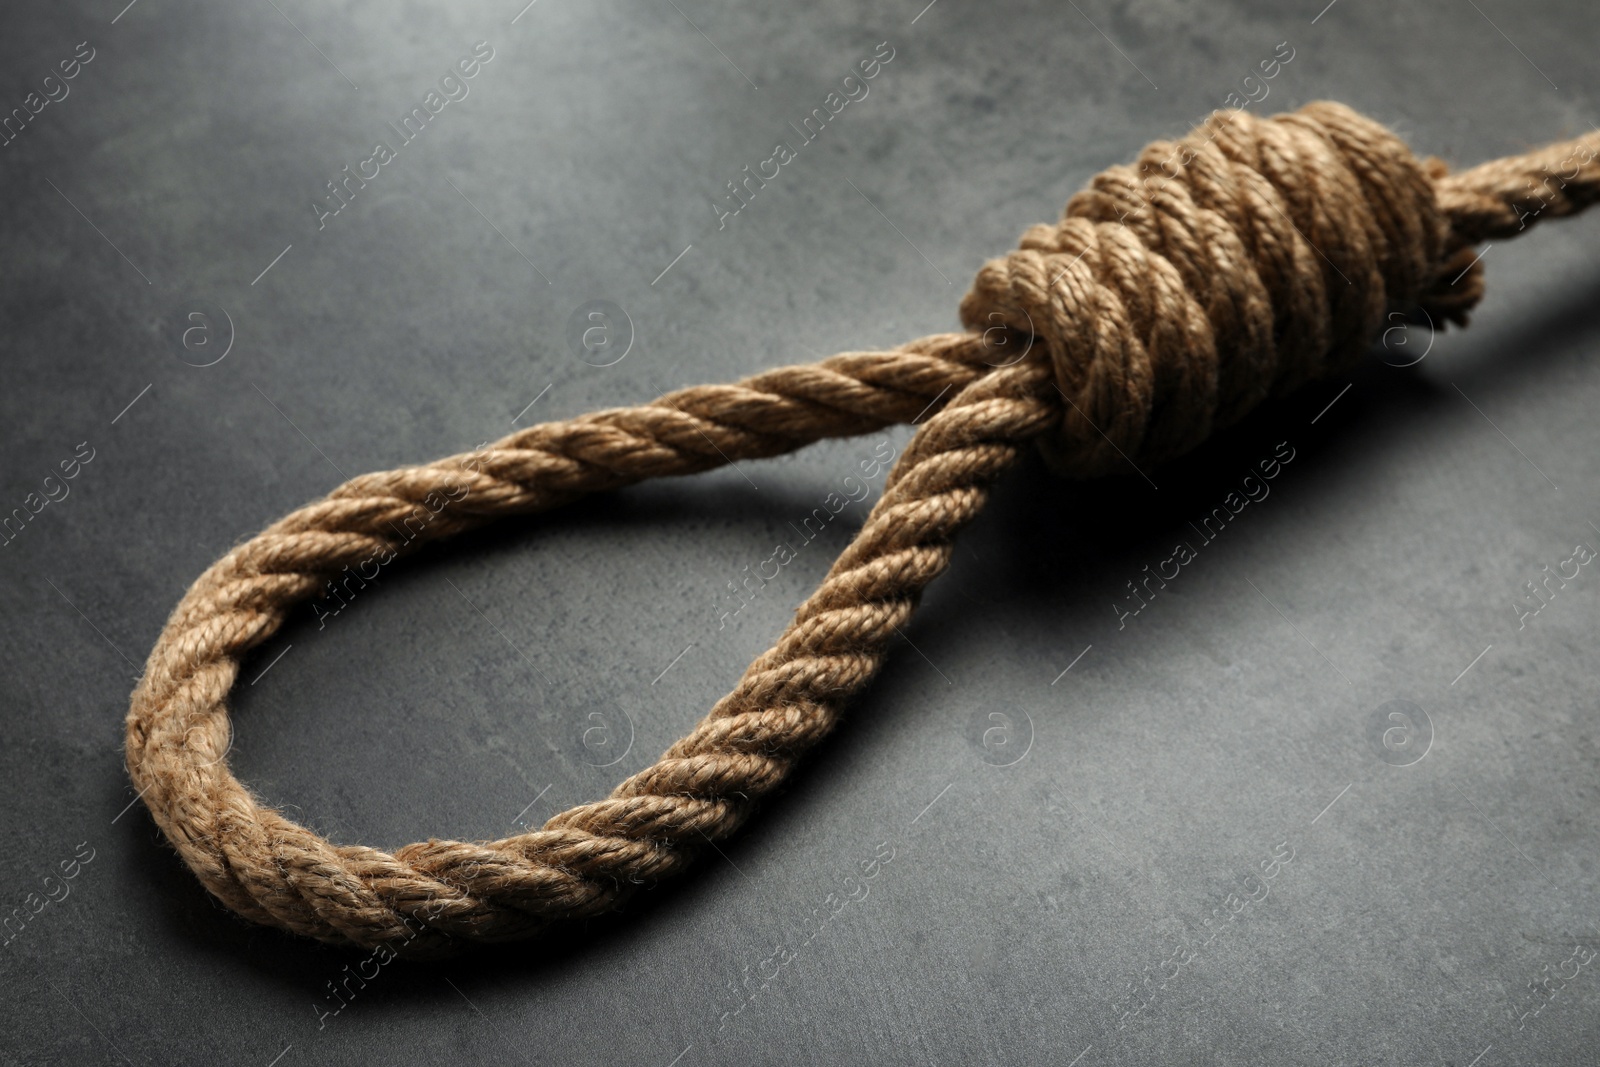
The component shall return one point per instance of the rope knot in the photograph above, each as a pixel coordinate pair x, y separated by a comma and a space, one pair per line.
1243, 260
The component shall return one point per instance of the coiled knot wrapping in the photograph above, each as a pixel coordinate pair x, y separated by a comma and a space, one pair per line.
1241, 261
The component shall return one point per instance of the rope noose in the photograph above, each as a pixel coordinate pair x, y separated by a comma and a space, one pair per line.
1173, 297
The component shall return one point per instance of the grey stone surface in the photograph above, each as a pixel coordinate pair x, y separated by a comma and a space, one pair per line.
1061, 907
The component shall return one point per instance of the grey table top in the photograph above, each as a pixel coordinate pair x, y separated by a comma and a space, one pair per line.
1066, 843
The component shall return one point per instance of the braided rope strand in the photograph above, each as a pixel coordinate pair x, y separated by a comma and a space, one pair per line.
1173, 297
273, 871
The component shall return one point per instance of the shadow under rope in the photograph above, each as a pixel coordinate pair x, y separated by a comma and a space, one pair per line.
1045, 540
1043, 548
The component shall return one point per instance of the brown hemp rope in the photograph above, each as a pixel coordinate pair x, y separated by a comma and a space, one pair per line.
1248, 258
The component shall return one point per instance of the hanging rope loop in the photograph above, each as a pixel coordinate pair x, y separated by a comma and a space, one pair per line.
1174, 296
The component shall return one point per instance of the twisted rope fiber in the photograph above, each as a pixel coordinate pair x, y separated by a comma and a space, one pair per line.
1174, 296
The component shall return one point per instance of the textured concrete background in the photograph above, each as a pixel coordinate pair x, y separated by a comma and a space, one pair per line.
1067, 845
